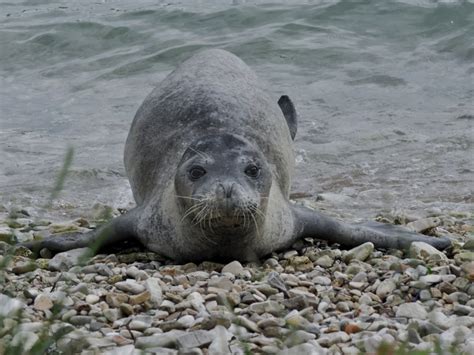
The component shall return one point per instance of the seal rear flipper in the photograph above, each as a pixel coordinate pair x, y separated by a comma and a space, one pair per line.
289, 111
117, 230
314, 224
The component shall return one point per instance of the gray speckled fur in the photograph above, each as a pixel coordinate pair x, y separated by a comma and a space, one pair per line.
212, 92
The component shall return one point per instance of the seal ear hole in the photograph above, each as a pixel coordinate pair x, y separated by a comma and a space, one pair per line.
252, 170
196, 172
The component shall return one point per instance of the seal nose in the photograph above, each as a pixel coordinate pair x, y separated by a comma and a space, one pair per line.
225, 190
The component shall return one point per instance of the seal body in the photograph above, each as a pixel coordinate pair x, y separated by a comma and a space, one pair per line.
209, 157
212, 94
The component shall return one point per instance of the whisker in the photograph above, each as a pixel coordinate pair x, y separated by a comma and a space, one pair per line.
256, 224
192, 209
189, 198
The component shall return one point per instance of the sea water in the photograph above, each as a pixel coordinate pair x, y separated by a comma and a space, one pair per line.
384, 92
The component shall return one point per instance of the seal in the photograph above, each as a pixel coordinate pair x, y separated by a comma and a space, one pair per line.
209, 157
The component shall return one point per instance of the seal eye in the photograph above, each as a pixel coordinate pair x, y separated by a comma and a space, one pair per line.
196, 172
252, 170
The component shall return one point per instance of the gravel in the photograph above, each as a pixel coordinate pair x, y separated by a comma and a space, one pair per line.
311, 299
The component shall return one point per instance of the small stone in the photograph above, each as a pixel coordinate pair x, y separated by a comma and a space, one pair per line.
357, 285
290, 254
360, 277
272, 263
361, 252
139, 325
350, 350
467, 256
322, 280
385, 288
303, 349
468, 268
66, 260
96, 326
462, 283
220, 282
130, 286
301, 263
121, 350
220, 344
197, 276
23, 251
92, 299
114, 279
455, 335
6, 235
298, 337
329, 339
186, 321
298, 302
413, 336
421, 225
411, 310
439, 319
116, 299
425, 327
9, 306
424, 251
24, 340
235, 268
111, 314
271, 307
351, 328
469, 245
194, 339
168, 306
43, 302
247, 323
156, 294
126, 309
431, 279
343, 307
295, 320
446, 287
459, 297
165, 340
325, 261
80, 320
462, 310
59, 228
425, 295
80, 288
140, 298
68, 314
31, 293
24, 267
276, 281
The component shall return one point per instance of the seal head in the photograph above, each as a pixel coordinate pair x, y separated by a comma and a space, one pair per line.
222, 184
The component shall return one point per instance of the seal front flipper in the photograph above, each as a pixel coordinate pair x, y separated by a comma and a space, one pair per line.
289, 111
117, 230
311, 223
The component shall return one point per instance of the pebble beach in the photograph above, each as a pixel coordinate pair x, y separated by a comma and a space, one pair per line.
311, 299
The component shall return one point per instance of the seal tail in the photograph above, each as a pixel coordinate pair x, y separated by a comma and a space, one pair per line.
313, 224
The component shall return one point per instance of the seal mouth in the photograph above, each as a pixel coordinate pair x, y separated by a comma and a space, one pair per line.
237, 223
228, 221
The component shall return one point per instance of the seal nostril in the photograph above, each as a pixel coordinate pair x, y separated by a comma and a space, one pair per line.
225, 190
221, 190
229, 191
